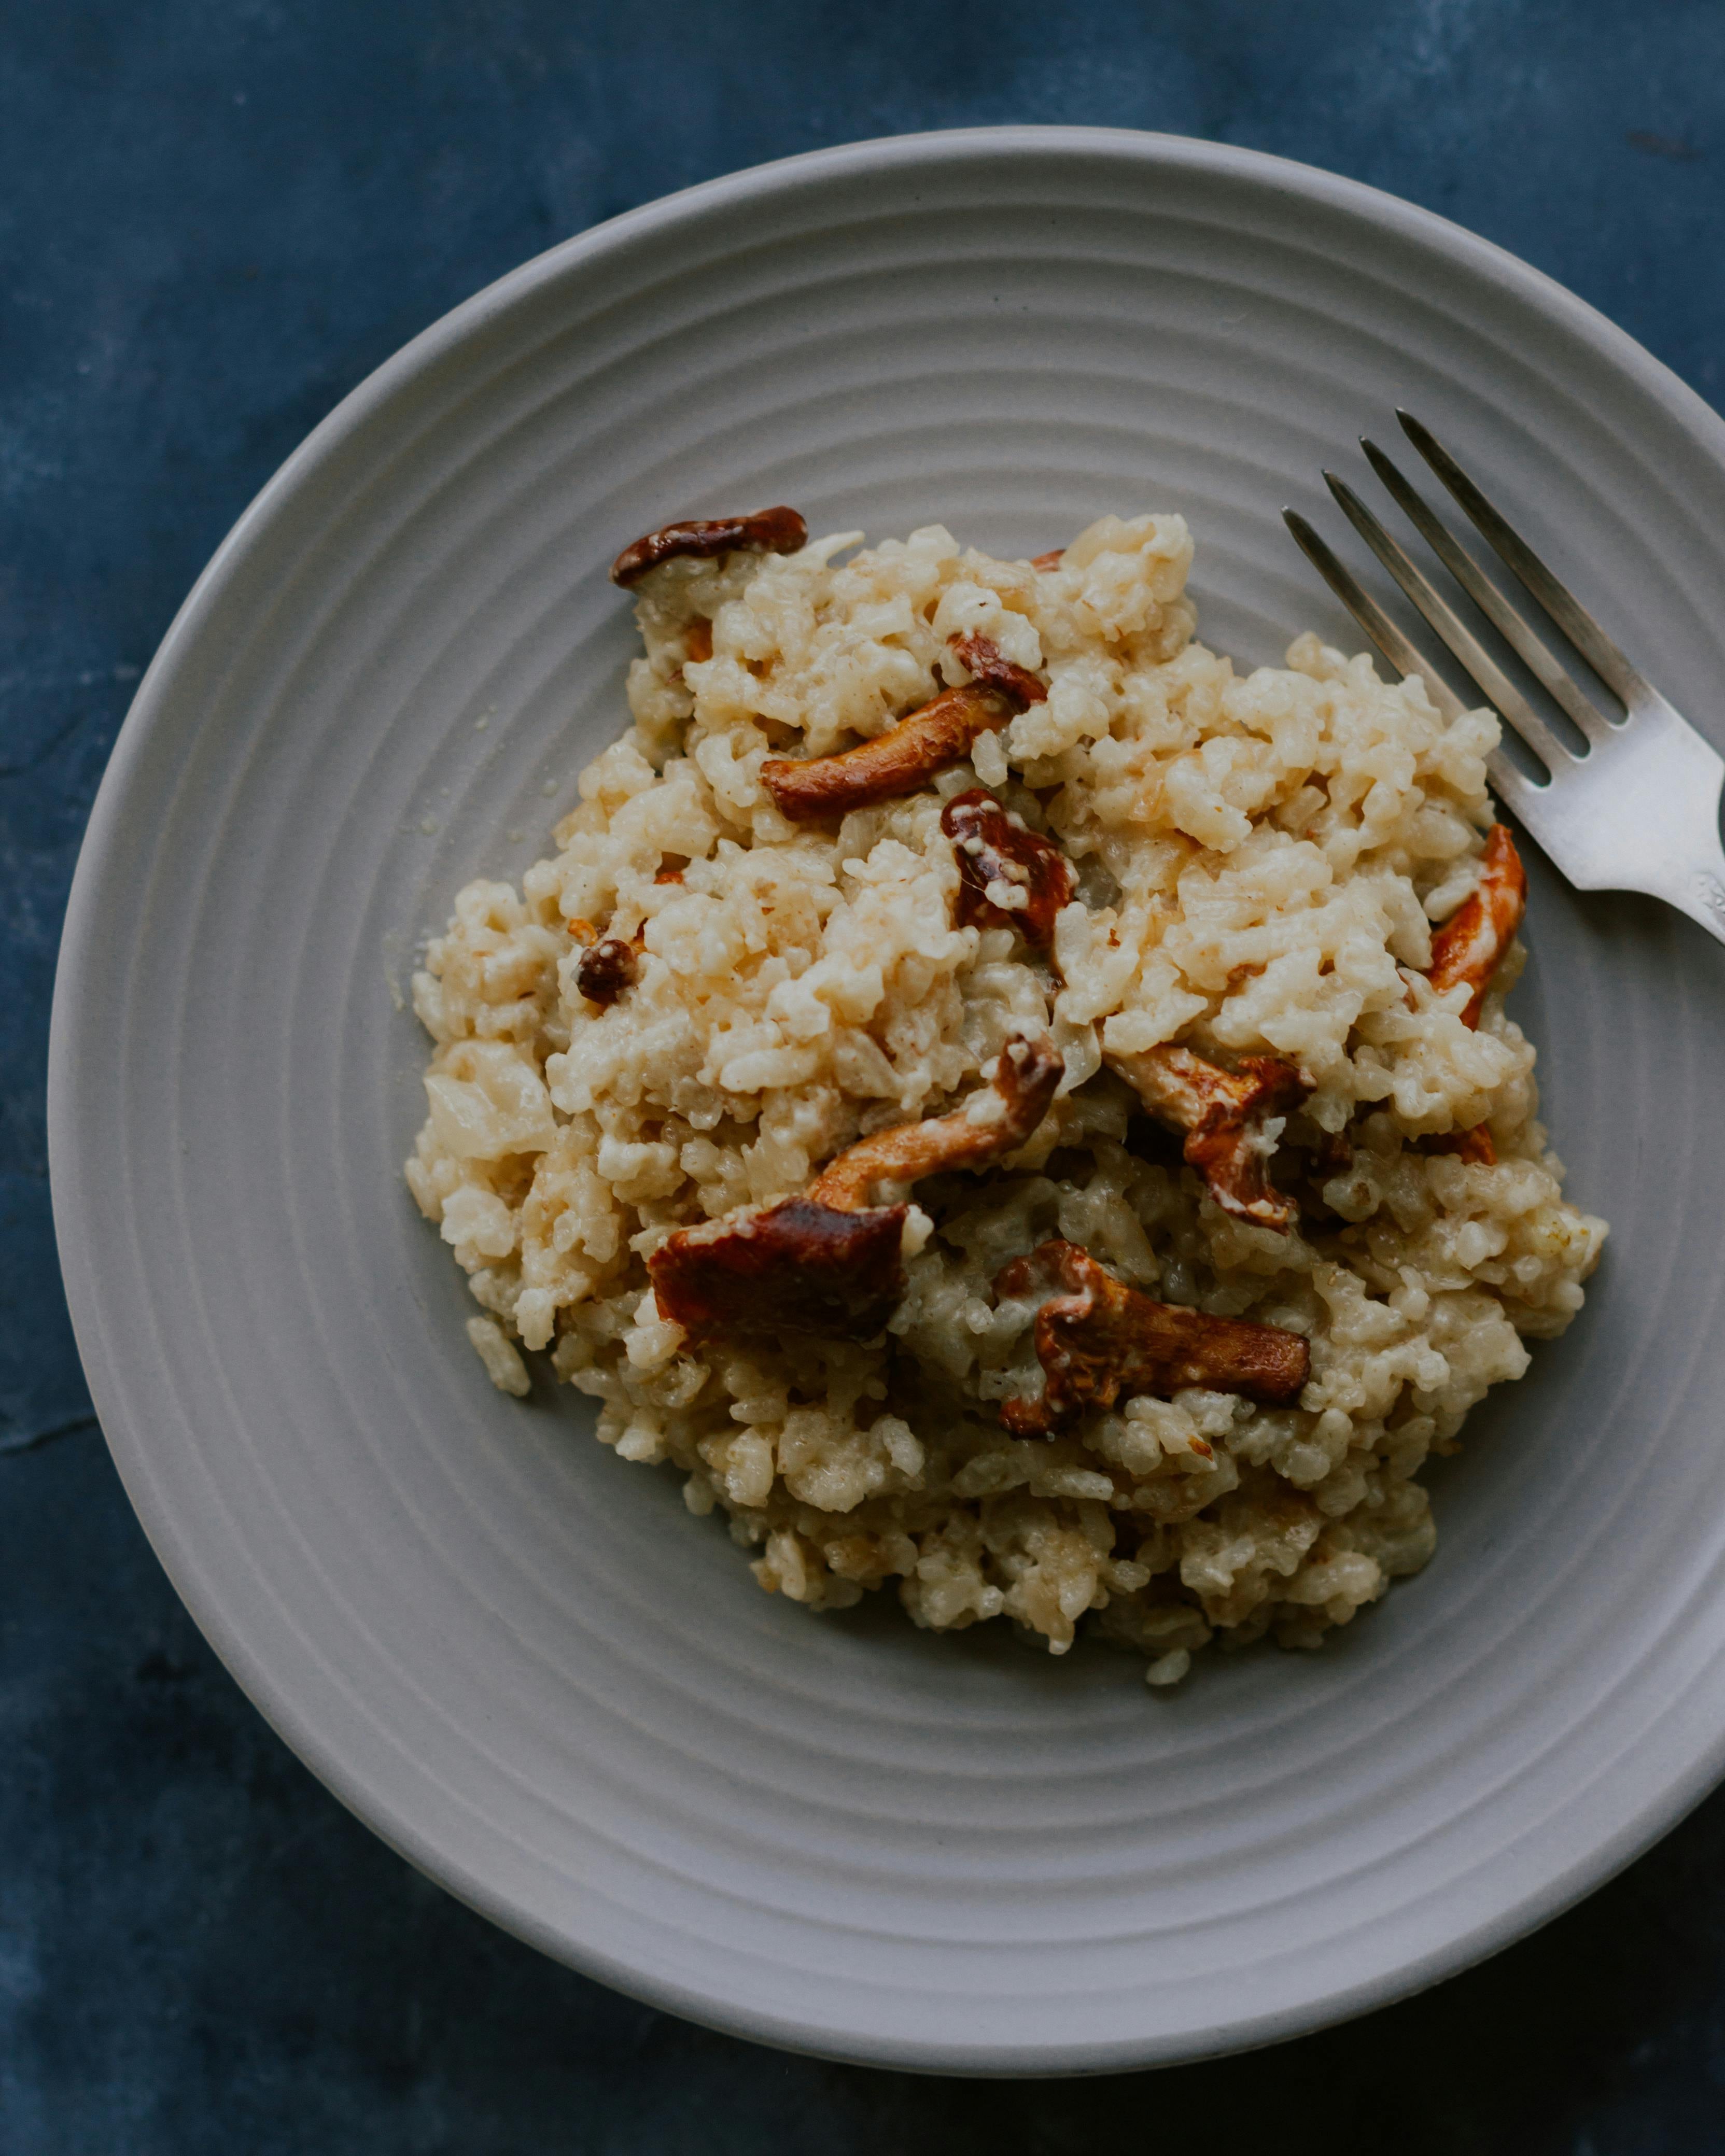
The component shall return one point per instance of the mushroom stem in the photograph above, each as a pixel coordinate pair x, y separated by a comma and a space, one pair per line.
1222, 1114
829, 1262
1100, 1339
922, 744
1471, 945
768, 531
993, 1122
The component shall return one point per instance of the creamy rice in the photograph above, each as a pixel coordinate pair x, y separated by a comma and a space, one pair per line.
1260, 861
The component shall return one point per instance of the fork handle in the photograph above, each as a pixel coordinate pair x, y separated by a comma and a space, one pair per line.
1690, 870
1705, 900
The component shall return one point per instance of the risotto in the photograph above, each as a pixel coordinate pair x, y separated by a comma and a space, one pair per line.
1003, 1104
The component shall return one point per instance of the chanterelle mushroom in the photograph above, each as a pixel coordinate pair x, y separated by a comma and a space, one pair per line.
904, 759
1471, 945
605, 969
983, 659
991, 1122
829, 1262
1099, 1340
798, 1266
768, 531
1222, 1114
1008, 876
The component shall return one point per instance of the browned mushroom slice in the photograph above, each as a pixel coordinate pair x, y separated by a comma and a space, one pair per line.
922, 745
1471, 945
982, 1130
798, 1266
768, 531
1222, 1114
900, 761
1008, 876
981, 656
829, 1262
605, 969
1099, 1340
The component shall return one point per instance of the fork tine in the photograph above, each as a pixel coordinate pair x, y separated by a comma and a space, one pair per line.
1577, 624
1495, 685
1512, 786
1541, 660
1371, 617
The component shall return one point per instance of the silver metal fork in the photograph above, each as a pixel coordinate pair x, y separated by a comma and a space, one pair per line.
1638, 807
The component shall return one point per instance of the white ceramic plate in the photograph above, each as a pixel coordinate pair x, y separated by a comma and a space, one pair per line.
517, 1657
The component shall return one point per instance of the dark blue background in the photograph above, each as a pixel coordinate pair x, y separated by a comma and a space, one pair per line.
215, 216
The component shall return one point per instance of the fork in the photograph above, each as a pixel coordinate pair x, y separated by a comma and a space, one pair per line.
1637, 809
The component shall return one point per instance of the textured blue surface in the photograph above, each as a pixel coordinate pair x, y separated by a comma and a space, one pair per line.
215, 217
